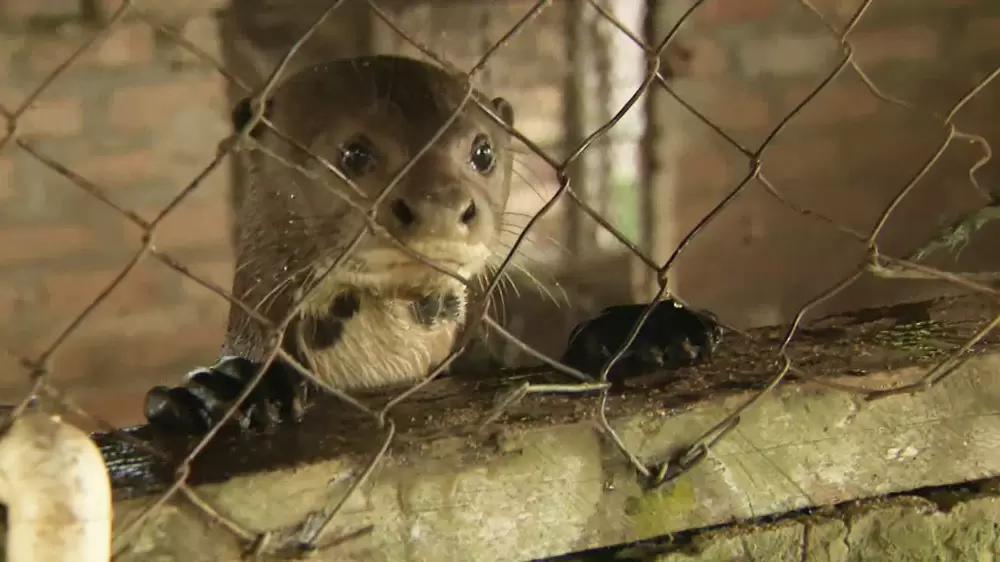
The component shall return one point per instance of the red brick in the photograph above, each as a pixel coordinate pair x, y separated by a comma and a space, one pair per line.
130, 353
726, 104
151, 107
201, 222
702, 169
10, 97
791, 162
166, 11
46, 53
130, 43
909, 43
14, 381
20, 306
835, 103
17, 11
119, 169
10, 298
784, 54
202, 32
58, 118
837, 12
6, 178
127, 44
110, 406
43, 242
107, 8
738, 108
9, 46
69, 293
981, 35
708, 58
715, 12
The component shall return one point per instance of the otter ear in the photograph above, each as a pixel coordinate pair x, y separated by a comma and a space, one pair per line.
243, 112
504, 110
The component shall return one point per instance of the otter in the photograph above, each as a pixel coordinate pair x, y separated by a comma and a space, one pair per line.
379, 319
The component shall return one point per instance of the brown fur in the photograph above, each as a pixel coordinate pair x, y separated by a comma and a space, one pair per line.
291, 228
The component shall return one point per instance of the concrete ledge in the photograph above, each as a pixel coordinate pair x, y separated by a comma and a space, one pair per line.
545, 481
900, 528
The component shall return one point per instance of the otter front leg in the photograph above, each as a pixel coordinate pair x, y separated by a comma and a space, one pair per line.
207, 393
671, 338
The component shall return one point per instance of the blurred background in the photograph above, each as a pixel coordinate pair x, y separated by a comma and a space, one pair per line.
141, 116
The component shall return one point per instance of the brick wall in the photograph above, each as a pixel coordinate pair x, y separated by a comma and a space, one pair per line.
140, 117
140, 120
846, 154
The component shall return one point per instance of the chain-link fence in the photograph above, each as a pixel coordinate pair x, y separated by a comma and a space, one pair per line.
655, 474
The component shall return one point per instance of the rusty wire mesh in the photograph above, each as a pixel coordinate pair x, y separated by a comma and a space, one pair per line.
875, 261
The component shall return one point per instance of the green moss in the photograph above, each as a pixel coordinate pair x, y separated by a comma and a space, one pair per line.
657, 511
921, 340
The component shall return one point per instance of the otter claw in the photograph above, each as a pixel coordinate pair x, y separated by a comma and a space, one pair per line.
177, 409
207, 393
672, 337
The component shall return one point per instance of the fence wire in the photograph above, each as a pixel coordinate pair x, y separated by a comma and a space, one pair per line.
874, 262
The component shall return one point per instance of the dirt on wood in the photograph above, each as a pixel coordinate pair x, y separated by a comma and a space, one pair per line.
855, 344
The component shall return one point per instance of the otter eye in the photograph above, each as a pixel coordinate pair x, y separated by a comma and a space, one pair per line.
481, 156
357, 158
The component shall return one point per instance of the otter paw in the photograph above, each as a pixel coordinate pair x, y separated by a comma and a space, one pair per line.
671, 338
207, 393
433, 309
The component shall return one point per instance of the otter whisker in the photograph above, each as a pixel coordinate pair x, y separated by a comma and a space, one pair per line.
526, 181
502, 249
529, 238
502, 287
497, 299
522, 159
514, 228
542, 286
505, 220
498, 293
517, 230
509, 281
532, 277
529, 216
283, 284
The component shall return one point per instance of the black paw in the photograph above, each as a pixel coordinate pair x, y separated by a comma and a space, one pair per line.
208, 393
671, 338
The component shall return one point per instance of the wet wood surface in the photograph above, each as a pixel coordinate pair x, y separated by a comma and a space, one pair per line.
143, 461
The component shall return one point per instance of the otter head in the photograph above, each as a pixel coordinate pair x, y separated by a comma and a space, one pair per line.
368, 117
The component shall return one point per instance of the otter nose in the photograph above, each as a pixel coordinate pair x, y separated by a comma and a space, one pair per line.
451, 214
